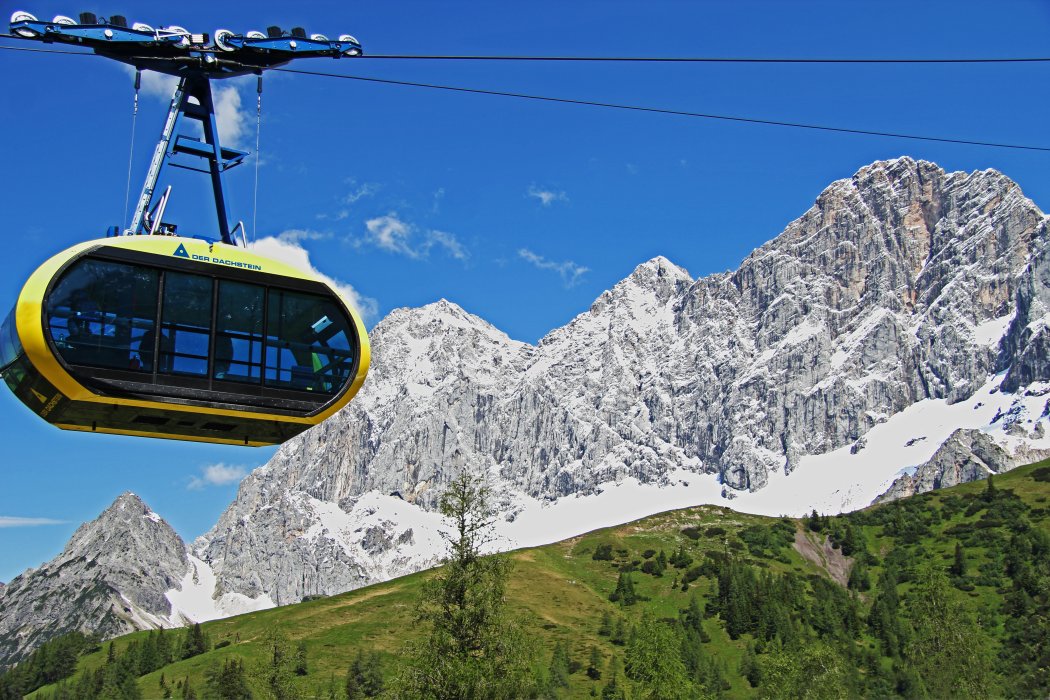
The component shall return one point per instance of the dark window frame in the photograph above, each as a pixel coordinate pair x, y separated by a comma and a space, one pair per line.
207, 390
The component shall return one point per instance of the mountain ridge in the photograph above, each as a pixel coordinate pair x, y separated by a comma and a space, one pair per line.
110, 578
842, 351
898, 285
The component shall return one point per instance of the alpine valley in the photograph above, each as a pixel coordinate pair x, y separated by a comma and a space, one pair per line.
892, 340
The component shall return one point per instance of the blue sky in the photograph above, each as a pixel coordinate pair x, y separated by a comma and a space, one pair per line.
521, 212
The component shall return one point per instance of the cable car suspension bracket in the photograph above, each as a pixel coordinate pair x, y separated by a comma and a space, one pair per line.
196, 59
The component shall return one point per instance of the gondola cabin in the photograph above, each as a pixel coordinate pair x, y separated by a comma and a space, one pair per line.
172, 337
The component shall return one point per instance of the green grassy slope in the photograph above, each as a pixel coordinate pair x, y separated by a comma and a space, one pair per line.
563, 592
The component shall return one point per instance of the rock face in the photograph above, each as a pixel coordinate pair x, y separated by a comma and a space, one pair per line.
968, 455
111, 579
899, 284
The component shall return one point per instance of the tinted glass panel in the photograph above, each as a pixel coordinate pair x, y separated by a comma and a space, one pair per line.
102, 314
308, 345
185, 324
10, 347
239, 332
16, 372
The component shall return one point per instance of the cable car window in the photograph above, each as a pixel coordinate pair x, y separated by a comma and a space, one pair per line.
239, 332
308, 346
185, 324
13, 364
10, 347
100, 312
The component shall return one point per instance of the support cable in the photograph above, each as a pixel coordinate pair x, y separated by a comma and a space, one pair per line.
697, 59
131, 150
642, 59
672, 112
258, 132
655, 110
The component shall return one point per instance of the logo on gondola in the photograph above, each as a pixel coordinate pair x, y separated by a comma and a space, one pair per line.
181, 252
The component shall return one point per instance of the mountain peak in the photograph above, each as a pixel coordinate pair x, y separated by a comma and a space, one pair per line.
649, 286
128, 508
111, 577
660, 267
900, 286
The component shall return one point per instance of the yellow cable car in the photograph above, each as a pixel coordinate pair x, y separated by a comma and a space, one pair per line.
155, 335
170, 337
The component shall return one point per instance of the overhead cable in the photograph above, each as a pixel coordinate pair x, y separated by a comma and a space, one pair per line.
702, 59
658, 110
674, 112
654, 59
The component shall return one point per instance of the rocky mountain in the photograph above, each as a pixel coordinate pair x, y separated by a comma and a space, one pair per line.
906, 303
901, 284
968, 455
111, 578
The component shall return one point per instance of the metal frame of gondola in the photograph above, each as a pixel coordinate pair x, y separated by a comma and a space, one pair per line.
196, 59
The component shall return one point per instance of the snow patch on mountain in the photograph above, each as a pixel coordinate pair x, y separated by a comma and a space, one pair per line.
841, 352
904, 305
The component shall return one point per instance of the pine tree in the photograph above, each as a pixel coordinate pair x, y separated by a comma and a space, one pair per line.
859, 578
275, 672
814, 671
947, 648
750, 668
990, 492
619, 635
883, 616
300, 659
680, 559
605, 627
471, 647
958, 568
624, 594
365, 677
849, 540
559, 667
654, 662
196, 642
614, 689
594, 664
228, 682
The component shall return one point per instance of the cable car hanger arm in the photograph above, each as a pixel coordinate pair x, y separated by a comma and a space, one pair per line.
196, 59
176, 51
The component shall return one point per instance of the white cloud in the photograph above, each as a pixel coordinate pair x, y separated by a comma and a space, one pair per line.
289, 251
295, 235
449, 242
217, 475
546, 197
392, 234
359, 192
569, 271
154, 84
229, 117
15, 521
233, 122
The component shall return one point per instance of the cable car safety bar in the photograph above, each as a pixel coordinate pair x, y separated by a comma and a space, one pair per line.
196, 59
